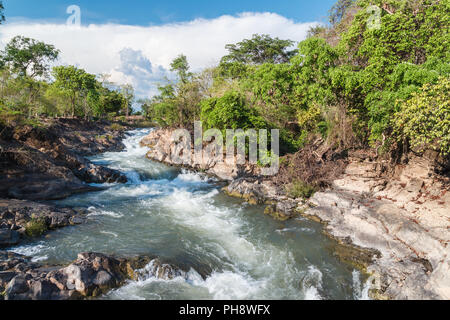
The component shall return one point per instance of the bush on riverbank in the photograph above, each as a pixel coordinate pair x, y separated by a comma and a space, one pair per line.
36, 227
299, 189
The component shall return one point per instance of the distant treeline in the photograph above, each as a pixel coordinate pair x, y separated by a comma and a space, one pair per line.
26, 91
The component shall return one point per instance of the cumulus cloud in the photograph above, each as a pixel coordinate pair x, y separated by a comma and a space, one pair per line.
136, 69
142, 55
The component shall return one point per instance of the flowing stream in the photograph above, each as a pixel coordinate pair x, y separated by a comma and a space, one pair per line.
183, 218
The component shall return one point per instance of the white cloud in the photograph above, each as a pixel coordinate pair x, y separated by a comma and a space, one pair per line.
142, 55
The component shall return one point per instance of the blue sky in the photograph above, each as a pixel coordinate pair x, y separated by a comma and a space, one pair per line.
156, 12
134, 41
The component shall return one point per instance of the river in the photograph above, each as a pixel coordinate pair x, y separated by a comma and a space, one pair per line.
183, 218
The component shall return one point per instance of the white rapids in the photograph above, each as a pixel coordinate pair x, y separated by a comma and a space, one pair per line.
183, 216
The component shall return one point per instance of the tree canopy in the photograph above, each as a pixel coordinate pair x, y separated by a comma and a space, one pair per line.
346, 82
260, 49
28, 57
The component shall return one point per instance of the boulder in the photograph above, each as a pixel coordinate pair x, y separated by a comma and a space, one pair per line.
8, 237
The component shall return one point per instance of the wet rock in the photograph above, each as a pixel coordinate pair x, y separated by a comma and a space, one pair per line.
6, 277
162, 149
48, 164
8, 237
91, 275
248, 189
17, 285
160, 270
16, 216
282, 210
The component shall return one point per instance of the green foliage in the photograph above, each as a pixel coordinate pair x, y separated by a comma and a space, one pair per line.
181, 66
111, 101
272, 87
27, 57
424, 119
80, 87
312, 79
258, 50
36, 227
177, 105
300, 189
409, 49
25, 94
230, 112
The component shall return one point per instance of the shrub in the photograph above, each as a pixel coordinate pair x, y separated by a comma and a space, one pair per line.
36, 227
116, 127
300, 189
230, 112
424, 119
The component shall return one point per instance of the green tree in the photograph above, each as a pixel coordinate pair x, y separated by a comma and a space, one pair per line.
180, 65
111, 101
80, 86
230, 112
28, 57
260, 49
424, 120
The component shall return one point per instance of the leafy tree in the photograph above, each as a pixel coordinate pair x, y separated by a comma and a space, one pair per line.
180, 65
162, 108
111, 101
391, 62
260, 49
28, 57
230, 112
177, 104
80, 86
424, 119
272, 87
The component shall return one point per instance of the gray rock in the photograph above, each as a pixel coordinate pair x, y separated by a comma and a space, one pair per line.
17, 285
8, 237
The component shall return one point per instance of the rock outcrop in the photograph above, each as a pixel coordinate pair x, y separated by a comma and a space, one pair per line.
396, 227
162, 149
91, 275
48, 163
19, 219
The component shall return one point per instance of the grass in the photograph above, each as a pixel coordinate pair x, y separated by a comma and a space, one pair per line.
300, 189
116, 127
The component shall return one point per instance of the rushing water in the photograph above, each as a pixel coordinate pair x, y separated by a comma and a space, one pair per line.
183, 217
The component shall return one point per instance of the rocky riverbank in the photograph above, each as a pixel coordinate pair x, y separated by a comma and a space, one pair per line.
91, 275
393, 224
161, 149
47, 163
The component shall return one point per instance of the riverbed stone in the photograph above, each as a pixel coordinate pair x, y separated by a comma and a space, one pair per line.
8, 237
91, 275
